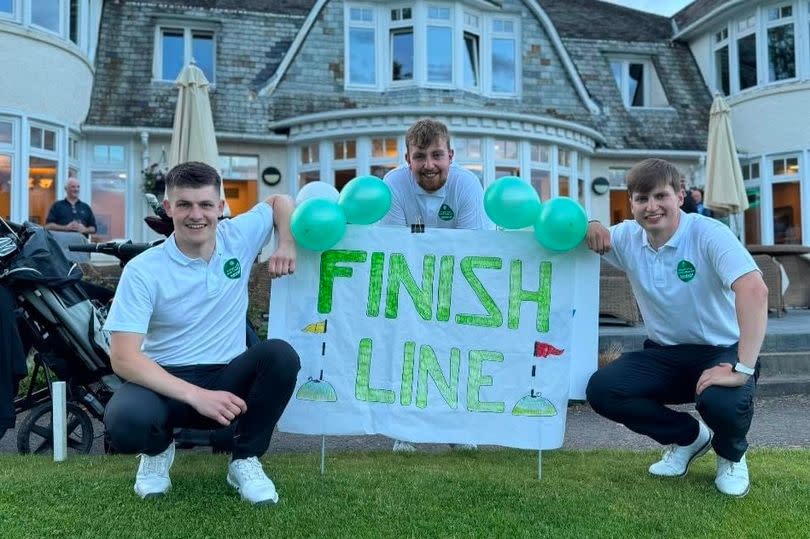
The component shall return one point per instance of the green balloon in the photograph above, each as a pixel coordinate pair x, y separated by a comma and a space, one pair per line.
318, 224
511, 203
561, 224
365, 200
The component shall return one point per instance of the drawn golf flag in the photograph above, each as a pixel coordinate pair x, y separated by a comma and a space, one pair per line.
435, 337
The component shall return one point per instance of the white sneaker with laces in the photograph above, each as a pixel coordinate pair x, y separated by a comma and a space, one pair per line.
403, 447
248, 478
152, 479
732, 477
677, 458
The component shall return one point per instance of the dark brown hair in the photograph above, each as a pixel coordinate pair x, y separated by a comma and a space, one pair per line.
192, 174
651, 173
425, 132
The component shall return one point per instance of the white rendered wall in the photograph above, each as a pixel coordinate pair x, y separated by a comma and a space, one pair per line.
772, 120
44, 77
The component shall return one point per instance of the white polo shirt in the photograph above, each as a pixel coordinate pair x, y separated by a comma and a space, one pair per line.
192, 311
684, 288
458, 204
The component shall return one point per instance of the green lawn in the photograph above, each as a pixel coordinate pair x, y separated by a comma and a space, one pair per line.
456, 494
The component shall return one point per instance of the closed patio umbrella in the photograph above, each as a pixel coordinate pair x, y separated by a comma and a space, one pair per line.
193, 137
725, 190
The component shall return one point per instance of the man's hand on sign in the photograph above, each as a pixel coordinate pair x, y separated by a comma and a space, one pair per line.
598, 238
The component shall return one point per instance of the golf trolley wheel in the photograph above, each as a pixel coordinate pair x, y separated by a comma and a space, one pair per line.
35, 434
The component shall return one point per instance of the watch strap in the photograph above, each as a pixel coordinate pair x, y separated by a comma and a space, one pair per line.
743, 368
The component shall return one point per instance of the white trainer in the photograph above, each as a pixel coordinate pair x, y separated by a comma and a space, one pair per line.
152, 479
732, 477
403, 447
248, 478
677, 458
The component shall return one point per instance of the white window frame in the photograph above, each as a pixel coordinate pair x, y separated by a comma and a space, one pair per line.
61, 31
780, 21
720, 39
16, 12
624, 84
189, 29
449, 24
460, 13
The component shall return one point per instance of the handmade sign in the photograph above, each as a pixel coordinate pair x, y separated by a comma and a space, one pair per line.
455, 336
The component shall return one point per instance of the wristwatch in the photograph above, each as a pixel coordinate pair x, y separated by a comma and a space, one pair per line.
745, 369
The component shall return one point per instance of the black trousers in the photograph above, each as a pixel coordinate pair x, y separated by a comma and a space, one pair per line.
635, 390
138, 420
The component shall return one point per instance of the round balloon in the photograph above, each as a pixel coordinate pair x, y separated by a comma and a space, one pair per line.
317, 189
561, 224
318, 224
511, 203
365, 200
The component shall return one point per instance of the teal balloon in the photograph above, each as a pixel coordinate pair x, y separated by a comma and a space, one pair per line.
365, 200
511, 203
561, 224
318, 224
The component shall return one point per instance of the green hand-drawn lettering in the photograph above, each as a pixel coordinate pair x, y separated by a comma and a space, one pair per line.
375, 284
362, 384
406, 387
429, 366
477, 379
330, 270
494, 318
399, 273
445, 288
542, 296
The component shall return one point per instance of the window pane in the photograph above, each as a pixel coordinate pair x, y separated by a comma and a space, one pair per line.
42, 174
722, 81
503, 65
6, 6
467, 148
781, 53
471, 68
202, 52
73, 29
506, 149
5, 133
440, 54
172, 54
787, 213
402, 53
100, 154
116, 154
616, 68
351, 149
361, 56
564, 158
306, 177
109, 189
540, 153
506, 170
635, 86
49, 140
747, 58
381, 170
36, 137
342, 177
338, 150
5, 186
541, 181
565, 186
751, 217
45, 13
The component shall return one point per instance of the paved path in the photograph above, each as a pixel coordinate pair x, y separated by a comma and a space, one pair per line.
778, 422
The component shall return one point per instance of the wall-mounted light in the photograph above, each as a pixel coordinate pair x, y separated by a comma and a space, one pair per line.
271, 176
600, 185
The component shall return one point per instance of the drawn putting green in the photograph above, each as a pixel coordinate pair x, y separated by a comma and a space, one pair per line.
533, 405
316, 390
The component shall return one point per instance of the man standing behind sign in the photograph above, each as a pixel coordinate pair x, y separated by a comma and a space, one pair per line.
178, 337
431, 191
704, 305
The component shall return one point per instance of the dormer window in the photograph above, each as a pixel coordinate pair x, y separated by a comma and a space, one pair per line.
638, 82
431, 44
177, 45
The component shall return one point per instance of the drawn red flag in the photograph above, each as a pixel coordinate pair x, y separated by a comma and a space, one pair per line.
544, 349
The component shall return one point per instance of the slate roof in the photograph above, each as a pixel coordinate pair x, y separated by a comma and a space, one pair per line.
249, 47
695, 11
592, 19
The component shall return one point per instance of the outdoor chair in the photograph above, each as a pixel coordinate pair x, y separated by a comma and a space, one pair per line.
616, 297
772, 275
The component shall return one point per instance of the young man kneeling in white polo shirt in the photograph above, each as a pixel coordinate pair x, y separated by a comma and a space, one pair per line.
179, 340
704, 305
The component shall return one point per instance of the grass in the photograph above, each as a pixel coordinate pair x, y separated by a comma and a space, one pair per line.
489, 493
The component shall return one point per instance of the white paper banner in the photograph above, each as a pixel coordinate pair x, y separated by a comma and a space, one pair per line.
454, 336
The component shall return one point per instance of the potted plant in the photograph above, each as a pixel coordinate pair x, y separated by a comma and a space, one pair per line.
154, 180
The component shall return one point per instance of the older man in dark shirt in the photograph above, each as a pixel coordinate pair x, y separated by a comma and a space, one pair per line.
71, 214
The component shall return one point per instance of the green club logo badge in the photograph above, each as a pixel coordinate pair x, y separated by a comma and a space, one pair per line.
686, 271
232, 269
446, 213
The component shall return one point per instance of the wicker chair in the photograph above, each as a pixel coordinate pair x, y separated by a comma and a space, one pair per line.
797, 268
616, 297
772, 275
